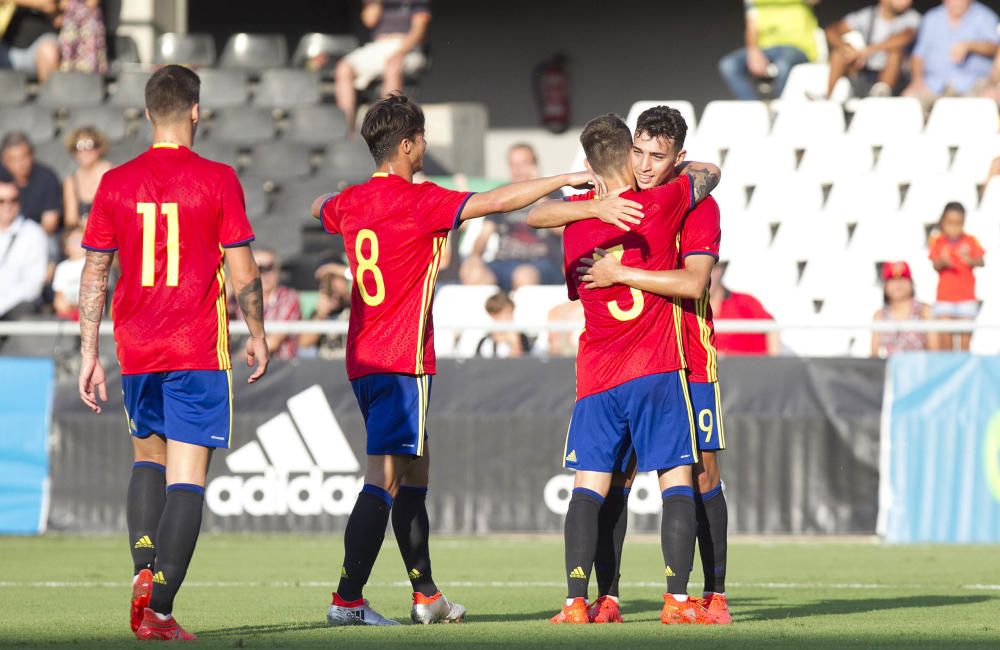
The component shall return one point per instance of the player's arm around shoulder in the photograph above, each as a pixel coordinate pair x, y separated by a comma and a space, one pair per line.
704, 178
606, 270
515, 196
612, 209
250, 295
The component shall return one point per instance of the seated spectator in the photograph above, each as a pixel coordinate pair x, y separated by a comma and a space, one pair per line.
900, 305
992, 89
333, 304
888, 29
729, 305
503, 345
87, 145
280, 304
955, 47
30, 38
566, 344
41, 196
82, 37
524, 256
955, 254
778, 36
398, 31
23, 263
66, 282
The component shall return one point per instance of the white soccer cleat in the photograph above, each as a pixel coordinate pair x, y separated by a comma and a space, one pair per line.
359, 613
428, 610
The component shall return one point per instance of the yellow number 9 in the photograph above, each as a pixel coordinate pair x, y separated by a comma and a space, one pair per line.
705, 423
368, 264
637, 298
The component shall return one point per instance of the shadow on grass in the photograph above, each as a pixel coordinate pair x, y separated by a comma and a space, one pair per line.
275, 628
855, 606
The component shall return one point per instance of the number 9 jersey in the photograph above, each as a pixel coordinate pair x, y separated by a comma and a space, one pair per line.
169, 213
394, 232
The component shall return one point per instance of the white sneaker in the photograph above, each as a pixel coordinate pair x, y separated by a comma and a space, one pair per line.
362, 614
435, 609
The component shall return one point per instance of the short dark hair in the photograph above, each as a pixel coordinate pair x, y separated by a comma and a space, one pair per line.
663, 122
953, 206
388, 122
16, 139
607, 142
171, 92
498, 302
523, 145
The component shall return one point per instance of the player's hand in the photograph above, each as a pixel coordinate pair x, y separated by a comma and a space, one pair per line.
757, 62
257, 351
619, 212
588, 181
601, 272
959, 52
92, 383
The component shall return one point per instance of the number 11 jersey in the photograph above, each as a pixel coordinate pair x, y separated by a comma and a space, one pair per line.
394, 232
169, 213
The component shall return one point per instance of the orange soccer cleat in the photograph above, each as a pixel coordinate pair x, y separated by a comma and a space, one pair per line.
575, 613
604, 610
154, 629
716, 609
142, 590
676, 612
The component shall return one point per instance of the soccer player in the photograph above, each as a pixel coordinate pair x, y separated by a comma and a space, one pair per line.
173, 218
395, 231
631, 393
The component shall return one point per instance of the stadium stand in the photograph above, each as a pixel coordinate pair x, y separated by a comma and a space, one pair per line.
322, 51
67, 90
128, 90
281, 160
38, 125
808, 80
347, 161
245, 125
314, 125
196, 50
254, 52
726, 122
224, 88
803, 124
107, 119
13, 89
284, 89
879, 120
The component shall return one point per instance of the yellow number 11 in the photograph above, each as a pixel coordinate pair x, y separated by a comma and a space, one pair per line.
148, 212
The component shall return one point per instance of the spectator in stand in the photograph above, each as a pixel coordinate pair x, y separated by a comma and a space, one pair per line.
503, 345
992, 91
66, 282
399, 28
779, 35
87, 145
524, 256
281, 303
41, 195
900, 304
22, 257
82, 37
30, 38
954, 53
888, 29
955, 254
566, 344
729, 305
333, 304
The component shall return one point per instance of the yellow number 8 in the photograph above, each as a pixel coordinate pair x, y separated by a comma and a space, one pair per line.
637, 298
369, 264
705, 422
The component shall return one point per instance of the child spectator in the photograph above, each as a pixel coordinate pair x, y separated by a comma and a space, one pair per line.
900, 305
955, 254
503, 345
66, 282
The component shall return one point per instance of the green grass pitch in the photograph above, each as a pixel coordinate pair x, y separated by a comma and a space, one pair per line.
272, 591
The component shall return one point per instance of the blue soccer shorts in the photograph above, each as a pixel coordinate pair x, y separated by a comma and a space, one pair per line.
192, 406
650, 415
707, 404
395, 410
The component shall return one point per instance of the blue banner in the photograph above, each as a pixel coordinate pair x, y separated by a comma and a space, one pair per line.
941, 449
26, 389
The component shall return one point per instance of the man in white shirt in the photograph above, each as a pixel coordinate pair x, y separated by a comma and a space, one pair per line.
23, 257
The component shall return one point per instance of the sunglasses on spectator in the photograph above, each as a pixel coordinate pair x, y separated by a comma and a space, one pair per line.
86, 144
265, 268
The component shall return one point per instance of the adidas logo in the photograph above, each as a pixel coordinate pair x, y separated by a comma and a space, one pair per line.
159, 579
578, 574
343, 572
571, 457
669, 572
414, 574
144, 542
289, 463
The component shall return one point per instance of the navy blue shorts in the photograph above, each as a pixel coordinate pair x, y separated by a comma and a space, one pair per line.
395, 410
708, 415
192, 406
650, 415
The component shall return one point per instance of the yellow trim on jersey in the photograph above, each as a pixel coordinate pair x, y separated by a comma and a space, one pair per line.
718, 416
166, 145
222, 334
690, 408
678, 313
380, 175
430, 279
705, 335
229, 382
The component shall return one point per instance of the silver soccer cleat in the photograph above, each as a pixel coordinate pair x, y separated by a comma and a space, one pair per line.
439, 610
360, 615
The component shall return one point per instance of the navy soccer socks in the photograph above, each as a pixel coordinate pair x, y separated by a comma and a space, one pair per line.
412, 530
677, 536
363, 540
713, 521
581, 539
143, 509
176, 538
612, 524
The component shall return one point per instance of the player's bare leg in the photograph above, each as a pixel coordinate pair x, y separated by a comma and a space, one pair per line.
712, 517
176, 537
344, 93
677, 537
143, 508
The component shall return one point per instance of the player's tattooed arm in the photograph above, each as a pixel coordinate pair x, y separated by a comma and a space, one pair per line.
250, 296
93, 294
704, 177
251, 299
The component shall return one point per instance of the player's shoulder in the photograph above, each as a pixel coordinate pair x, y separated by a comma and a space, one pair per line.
212, 167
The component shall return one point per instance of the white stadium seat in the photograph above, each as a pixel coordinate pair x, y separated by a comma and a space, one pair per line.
985, 226
457, 304
702, 151
893, 237
802, 123
987, 341
811, 235
731, 197
751, 162
974, 157
831, 274
925, 200
532, 305
759, 274
912, 158
858, 199
828, 161
991, 197
726, 122
881, 119
788, 197
958, 119
686, 109
807, 79
743, 237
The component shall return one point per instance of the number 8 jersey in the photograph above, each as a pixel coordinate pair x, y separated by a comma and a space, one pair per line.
169, 213
394, 232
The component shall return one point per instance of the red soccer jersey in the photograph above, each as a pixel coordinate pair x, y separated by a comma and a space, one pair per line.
629, 333
169, 213
956, 283
742, 306
394, 232
700, 235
